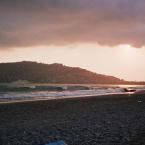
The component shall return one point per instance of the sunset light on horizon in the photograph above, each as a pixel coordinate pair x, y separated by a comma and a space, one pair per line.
72, 72
102, 36
123, 61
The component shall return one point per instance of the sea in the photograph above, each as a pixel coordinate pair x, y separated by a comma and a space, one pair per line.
61, 91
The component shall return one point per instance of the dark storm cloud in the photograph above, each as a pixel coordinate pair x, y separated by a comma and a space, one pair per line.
59, 22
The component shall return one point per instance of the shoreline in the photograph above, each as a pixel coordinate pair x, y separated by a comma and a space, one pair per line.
10, 101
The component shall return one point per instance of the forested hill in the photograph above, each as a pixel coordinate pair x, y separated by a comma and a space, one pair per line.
51, 73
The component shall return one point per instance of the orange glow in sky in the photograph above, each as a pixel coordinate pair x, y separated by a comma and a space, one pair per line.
122, 61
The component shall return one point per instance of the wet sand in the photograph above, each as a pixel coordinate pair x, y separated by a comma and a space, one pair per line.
107, 120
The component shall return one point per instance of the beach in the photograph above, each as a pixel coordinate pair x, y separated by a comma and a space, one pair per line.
101, 120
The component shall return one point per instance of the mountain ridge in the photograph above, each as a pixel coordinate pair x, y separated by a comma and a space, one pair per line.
53, 73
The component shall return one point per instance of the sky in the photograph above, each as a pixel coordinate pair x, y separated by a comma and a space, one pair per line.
103, 36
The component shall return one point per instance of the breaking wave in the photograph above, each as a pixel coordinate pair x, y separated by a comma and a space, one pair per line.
66, 92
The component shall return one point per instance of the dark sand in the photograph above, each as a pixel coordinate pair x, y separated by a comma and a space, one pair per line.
111, 120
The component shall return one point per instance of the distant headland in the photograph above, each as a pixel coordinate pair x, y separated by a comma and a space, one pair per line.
54, 73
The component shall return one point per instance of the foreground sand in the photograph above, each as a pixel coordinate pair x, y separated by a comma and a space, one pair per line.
111, 120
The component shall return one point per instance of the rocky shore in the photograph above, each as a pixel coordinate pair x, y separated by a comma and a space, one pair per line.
107, 120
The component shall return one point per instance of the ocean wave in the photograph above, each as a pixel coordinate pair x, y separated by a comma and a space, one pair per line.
65, 93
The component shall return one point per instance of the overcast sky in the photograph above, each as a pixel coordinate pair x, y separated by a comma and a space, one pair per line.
105, 36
